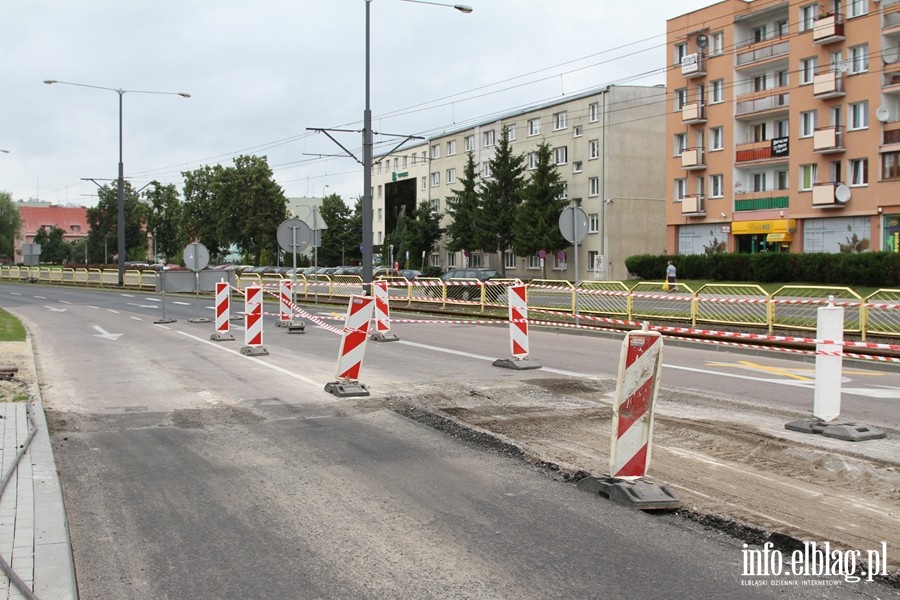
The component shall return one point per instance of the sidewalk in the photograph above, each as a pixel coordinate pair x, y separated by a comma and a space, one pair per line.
34, 536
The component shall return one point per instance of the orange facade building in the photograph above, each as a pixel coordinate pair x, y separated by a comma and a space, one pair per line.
784, 127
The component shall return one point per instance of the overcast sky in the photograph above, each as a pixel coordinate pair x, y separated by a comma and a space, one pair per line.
260, 73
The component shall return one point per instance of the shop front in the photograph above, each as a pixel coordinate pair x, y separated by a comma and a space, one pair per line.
764, 236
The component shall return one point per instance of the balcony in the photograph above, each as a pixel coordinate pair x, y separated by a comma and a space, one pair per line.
692, 159
694, 65
752, 108
762, 203
828, 29
774, 150
762, 53
828, 140
692, 206
829, 84
693, 113
830, 195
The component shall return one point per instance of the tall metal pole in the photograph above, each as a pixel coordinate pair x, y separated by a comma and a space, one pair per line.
121, 219
367, 217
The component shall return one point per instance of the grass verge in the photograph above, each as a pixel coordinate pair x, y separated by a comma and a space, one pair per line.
11, 329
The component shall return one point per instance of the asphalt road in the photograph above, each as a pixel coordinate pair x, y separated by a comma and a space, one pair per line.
191, 471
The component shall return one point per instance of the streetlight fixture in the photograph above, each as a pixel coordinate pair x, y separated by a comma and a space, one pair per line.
120, 224
367, 216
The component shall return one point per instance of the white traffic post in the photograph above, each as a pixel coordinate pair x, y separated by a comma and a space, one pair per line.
518, 331
253, 334
223, 313
382, 331
286, 314
829, 362
353, 348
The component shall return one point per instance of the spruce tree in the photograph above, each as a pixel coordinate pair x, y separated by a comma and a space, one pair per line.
501, 195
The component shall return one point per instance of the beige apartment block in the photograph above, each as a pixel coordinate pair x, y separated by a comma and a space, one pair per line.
783, 127
608, 147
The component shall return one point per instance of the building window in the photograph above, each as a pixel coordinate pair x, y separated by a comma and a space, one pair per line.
564, 190
680, 143
560, 121
593, 149
782, 128
534, 126
405, 160
859, 59
476, 260
681, 98
781, 180
759, 182
859, 115
717, 44
593, 255
532, 160
469, 143
435, 260
759, 132
561, 155
857, 8
807, 17
415, 158
451, 259
807, 177
594, 223
681, 51
859, 171
808, 68
485, 170
451, 176
560, 262
594, 112
890, 165
379, 214
715, 186
424, 182
759, 83
489, 138
782, 78
760, 34
435, 179
717, 91
396, 163
680, 189
781, 27
534, 262
378, 191
807, 123
511, 131
451, 147
594, 186
717, 138
424, 157
509, 260
577, 131
435, 152
577, 166
436, 205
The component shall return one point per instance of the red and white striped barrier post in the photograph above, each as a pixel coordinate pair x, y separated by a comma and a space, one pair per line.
640, 364
223, 313
518, 331
253, 334
382, 331
286, 302
353, 348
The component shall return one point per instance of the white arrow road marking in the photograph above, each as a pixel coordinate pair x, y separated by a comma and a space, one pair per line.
54, 309
64, 302
105, 334
142, 305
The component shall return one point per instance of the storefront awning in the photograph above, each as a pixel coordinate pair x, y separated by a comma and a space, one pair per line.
764, 227
779, 237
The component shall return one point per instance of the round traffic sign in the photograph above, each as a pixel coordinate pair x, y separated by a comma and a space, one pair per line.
196, 256
293, 236
573, 224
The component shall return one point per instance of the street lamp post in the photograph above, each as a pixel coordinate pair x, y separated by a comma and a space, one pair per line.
367, 151
120, 223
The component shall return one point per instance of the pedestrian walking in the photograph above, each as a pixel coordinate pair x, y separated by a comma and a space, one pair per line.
670, 277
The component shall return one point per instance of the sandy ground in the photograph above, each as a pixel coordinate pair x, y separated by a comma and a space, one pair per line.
23, 384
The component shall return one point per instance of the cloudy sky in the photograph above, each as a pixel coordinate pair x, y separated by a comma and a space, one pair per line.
260, 73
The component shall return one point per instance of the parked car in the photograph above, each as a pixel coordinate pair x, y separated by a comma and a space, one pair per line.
381, 272
481, 274
410, 274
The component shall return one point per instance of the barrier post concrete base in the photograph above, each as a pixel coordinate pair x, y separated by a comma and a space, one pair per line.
295, 326
638, 493
345, 389
384, 337
198, 320
848, 432
519, 364
221, 337
254, 351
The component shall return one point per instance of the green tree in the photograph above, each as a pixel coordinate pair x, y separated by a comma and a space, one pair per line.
354, 233
10, 226
199, 220
501, 195
103, 224
465, 232
54, 249
334, 240
537, 220
250, 206
419, 234
164, 221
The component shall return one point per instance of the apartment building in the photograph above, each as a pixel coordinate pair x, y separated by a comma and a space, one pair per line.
608, 148
783, 132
